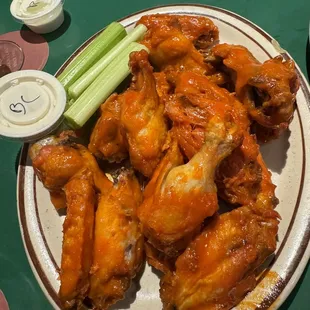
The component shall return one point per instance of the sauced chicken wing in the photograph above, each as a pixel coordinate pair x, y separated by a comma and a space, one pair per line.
77, 247
56, 164
198, 29
267, 90
196, 99
108, 138
218, 268
142, 117
118, 245
56, 160
180, 197
172, 39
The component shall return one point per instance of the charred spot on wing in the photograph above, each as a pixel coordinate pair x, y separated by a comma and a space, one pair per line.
73, 141
205, 42
209, 56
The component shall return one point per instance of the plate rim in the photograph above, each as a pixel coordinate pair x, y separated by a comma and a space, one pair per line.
305, 250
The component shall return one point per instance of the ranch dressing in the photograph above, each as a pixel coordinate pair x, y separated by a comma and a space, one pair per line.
41, 16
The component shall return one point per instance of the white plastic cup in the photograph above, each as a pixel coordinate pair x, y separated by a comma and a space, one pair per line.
32, 104
41, 17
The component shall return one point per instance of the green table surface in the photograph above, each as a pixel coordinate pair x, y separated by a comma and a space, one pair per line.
287, 21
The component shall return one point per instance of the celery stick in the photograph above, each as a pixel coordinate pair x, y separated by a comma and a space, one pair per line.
103, 86
88, 77
113, 34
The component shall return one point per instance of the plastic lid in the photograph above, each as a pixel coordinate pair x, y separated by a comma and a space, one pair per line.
28, 9
31, 104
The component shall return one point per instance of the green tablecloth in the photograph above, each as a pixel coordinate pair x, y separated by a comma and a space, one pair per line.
287, 21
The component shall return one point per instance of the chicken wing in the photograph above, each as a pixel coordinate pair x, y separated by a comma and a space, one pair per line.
195, 101
108, 139
77, 246
198, 29
267, 90
55, 162
142, 117
239, 176
218, 268
57, 159
118, 245
172, 39
179, 197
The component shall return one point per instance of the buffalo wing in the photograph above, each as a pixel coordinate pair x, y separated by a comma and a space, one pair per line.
239, 176
118, 244
142, 117
267, 90
56, 160
218, 268
180, 197
174, 40
77, 246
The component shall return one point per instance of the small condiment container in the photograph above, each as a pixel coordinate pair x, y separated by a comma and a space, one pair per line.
40, 16
32, 104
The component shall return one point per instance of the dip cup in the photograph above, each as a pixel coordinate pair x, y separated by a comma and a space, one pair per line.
31, 105
40, 16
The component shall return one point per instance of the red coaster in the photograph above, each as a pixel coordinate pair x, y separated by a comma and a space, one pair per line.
34, 46
3, 303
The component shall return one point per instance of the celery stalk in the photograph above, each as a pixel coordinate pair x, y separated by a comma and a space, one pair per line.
77, 88
113, 34
103, 86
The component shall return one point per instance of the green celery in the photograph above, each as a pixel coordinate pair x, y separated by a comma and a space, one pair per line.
103, 86
103, 43
88, 77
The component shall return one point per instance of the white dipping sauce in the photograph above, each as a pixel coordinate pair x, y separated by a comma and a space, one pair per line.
41, 16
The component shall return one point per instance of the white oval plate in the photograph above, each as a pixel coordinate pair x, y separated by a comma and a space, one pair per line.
41, 225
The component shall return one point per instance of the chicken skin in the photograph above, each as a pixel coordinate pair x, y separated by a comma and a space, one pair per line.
118, 245
180, 197
218, 268
142, 117
267, 90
